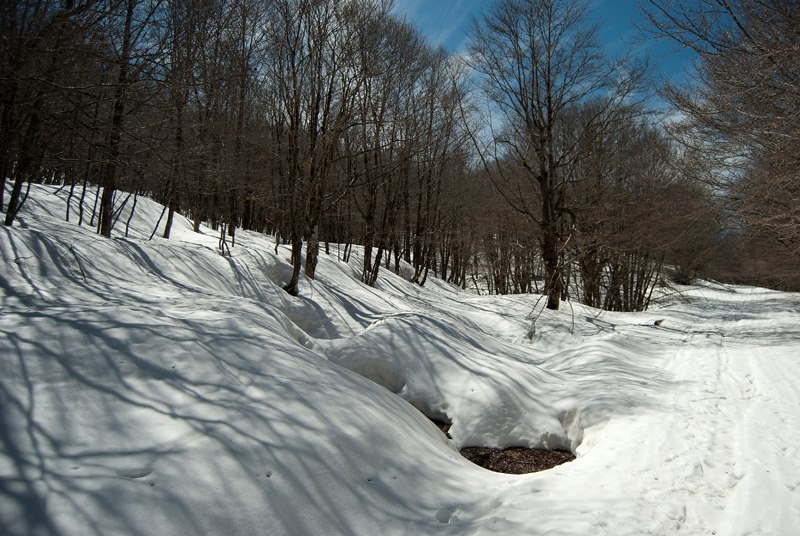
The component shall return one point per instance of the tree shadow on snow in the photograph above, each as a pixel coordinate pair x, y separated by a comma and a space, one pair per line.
127, 422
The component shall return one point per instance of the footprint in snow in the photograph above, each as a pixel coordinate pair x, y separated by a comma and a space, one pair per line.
446, 514
136, 472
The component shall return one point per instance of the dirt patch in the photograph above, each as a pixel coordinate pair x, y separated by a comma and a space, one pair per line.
516, 460
443, 426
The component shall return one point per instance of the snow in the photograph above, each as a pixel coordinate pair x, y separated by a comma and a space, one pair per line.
156, 387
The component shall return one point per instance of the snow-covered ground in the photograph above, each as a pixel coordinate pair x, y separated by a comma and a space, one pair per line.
158, 388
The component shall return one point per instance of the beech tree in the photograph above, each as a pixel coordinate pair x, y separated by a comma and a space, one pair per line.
42, 44
539, 59
379, 144
310, 65
132, 51
185, 26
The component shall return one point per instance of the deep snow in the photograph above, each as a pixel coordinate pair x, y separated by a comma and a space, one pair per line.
156, 387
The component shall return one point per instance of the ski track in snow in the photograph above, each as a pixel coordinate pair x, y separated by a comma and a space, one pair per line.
155, 387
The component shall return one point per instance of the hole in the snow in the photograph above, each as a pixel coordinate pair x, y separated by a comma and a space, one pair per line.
514, 460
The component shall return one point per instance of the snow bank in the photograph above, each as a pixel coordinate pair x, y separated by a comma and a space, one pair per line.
156, 387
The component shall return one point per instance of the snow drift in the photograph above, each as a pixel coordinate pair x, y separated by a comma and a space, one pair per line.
156, 387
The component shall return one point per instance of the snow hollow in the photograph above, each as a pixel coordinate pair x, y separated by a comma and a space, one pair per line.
155, 387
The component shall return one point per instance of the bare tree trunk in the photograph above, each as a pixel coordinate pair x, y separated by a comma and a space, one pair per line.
312, 252
297, 248
120, 91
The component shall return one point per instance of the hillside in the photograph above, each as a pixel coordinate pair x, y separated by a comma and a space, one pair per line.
156, 387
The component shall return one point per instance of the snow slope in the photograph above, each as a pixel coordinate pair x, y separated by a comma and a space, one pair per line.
156, 387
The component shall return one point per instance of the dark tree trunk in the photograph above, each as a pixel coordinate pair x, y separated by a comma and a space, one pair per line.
312, 252
109, 177
297, 264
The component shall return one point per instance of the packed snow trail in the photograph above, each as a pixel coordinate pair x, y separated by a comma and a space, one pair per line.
155, 387
716, 454
743, 409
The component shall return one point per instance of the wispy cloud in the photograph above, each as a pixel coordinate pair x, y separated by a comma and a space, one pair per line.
459, 16
408, 8
448, 23
443, 22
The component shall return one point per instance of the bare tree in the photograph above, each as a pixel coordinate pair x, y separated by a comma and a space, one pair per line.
376, 148
181, 49
539, 59
742, 109
132, 53
41, 45
310, 65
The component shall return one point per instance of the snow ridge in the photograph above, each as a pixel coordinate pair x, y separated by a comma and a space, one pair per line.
156, 387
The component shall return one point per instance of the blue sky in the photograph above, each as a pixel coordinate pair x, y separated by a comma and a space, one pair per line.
447, 23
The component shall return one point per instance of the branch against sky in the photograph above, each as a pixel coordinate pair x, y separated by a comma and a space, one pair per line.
542, 67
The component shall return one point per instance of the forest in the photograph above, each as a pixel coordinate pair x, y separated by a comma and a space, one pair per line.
531, 163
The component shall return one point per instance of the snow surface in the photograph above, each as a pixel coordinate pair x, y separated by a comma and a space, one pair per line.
158, 388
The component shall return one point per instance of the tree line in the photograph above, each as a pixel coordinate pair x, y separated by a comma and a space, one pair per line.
740, 125
529, 164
